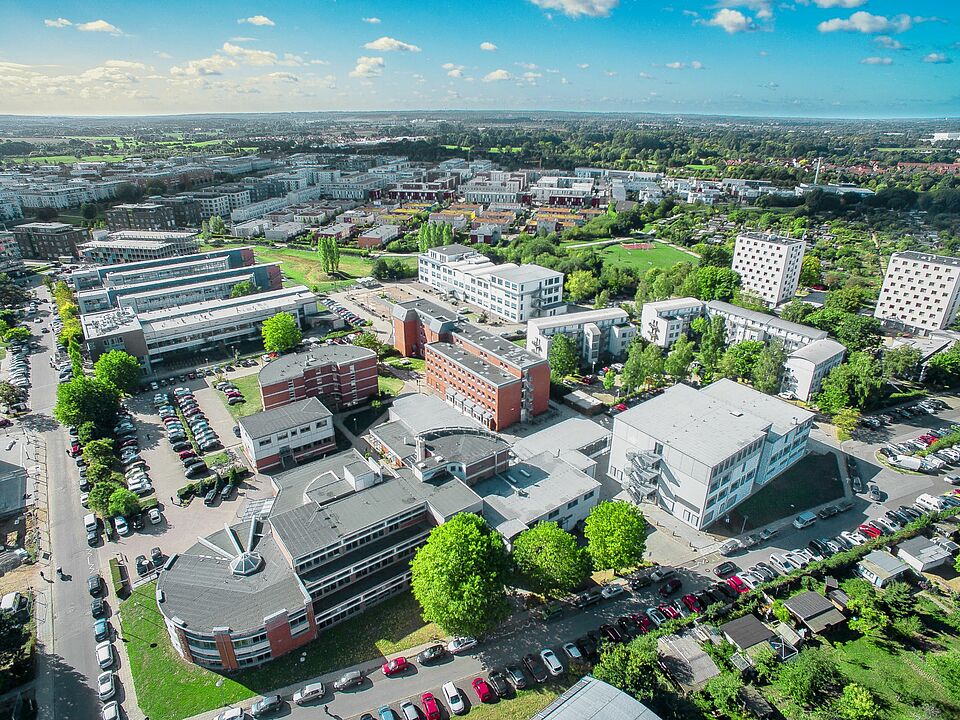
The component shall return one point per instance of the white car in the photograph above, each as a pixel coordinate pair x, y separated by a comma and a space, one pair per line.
105, 685
886, 524
783, 564
751, 579
309, 693
656, 617
121, 524
611, 591
572, 652
550, 659
454, 699
853, 537
104, 654
796, 558
231, 714
111, 711
461, 644
154, 516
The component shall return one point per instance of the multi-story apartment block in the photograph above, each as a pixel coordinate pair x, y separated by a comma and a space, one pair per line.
10, 208
743, 324
806, 367
11, 261
338, 539
186, 210
127, 246
213, 203
514, 292
438, 190
141, 216
377, 237
597, 334
699, 453
664, 321
769, 266
921, 292
285, 436
340, 375
559, 190
482, 375
49, 240
159, 336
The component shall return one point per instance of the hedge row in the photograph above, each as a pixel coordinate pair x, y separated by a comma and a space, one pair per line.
117, 579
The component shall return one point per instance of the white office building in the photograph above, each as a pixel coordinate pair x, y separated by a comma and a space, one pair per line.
699, 453
662, 322
805, 368
921, 292
768, 265
743, 324
514, 292
596, 334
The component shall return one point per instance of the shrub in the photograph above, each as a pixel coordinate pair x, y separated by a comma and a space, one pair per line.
117, 579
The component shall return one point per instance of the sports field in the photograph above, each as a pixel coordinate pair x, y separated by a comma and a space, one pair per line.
660, 255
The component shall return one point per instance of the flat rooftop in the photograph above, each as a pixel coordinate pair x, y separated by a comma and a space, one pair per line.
696, 424
782, 416
771, 238
278, 419
293, 365
570, 434
526, 273
919, 257
579, 318
765, 320
132, 243
473, 363
505, 350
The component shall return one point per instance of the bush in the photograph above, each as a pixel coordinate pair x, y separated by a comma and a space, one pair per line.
149, 504
117, 579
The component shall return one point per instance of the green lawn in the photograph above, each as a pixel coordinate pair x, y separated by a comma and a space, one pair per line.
390, 385
812, 481
169, 688
523, 706
250, 388
661, 255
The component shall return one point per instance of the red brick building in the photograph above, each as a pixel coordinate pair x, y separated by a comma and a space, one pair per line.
482, 375
340, 375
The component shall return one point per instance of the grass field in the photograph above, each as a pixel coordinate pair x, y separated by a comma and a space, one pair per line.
60, 159
695, 166
302, 267
390, 385
250, 388
170, 689
662, 256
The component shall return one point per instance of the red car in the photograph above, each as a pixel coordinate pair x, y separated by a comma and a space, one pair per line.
669, 611
693, 605
184, 454
483, 691
643, 621
132, 442
927, 439
870, 531
395, 666
737, 584
430, 707
74, 450
619, 407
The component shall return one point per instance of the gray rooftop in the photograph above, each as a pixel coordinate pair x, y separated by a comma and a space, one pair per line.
203, 592
570, 434
922, 257
746, 631
293, 365
771, 238
474, 364
596, 700
674, 304
580, 318
525, 273
923, 549
505, 350
819, 351
765, 320
686, 662
451, 250
268, 422
884, 564
421, 413
782, 416
534, 487
814, 610
705, 428
13, 489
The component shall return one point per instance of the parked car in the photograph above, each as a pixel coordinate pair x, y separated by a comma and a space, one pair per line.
105, 657
550, 659
611, 591
516, 677
461, 645
670, 587
269, 705
725, 569
106, 687
309, 693
482, 689
535, 667
396, 666
453, 698
498, 683
432, 654
348, 680
430, 706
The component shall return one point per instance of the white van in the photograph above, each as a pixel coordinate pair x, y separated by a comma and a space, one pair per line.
90, 522
930, 502
10, 602
804, 520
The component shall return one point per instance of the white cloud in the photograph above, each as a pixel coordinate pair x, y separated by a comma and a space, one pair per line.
527, 66
763, 53
371, 20
99, 26
213, 65
936, 58
696, 65
487, 46
579, 8
675, 65
242, 38
583, 66
610, 73
454, 71
645, 76
732, 21
58, 23
389, 44
261, 20
839, 3
564, 81
125, 65
368, 67
281, 76
319, 62
163, 55
249, 56
885, 41
875, 60
497, 75
864, 22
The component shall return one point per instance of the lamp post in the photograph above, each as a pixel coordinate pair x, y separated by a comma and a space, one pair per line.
219, 685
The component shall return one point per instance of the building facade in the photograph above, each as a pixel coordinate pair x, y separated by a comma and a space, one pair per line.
743, 324
597, 334
700, 453
49, 240
805, 368
514, 292
288, 435
662, 322
769, 266
482, 375
341, 375
141, 216
921, 292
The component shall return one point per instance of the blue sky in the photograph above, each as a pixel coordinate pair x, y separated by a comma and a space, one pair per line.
836, 58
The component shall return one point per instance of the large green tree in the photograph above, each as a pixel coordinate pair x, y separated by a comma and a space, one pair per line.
631, 667
677, 364
712, 343
549, 559
616, 534
99, 451
86, 398
901, 362
280, 332
811, 271
123, 502
857, 703
859, 332
120, 369
562, 357
460, 575
9, 393
739, 360
811, 677
854, 383
581, 284
768, 370
99, 498
714, 283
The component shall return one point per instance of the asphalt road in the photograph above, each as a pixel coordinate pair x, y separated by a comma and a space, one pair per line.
72, 668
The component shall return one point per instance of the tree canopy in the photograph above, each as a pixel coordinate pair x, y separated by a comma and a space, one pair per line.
120, 369
549, 560
563, 357
280, 332
616, 533
460, 574
86, 398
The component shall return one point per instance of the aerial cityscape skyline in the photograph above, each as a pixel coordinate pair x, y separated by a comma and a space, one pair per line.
744, 57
